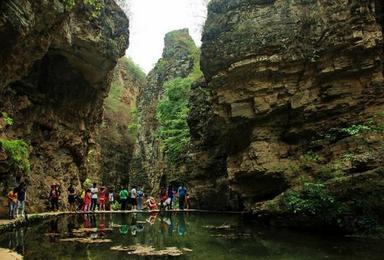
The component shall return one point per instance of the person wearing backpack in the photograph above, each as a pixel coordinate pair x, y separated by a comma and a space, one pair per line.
182, 192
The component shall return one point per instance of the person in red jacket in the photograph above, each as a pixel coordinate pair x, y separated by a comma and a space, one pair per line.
102, 198
87, 200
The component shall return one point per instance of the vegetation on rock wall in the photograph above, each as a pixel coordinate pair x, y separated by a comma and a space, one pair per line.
120, 123
18, 151
173, 108
95, 6
172, 113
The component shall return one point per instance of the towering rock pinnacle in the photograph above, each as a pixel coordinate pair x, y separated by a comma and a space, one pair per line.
178, 61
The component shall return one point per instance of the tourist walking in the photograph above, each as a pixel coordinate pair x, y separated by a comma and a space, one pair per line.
21, 197
94, 196
133, 197
140, 195
71, 197
54, 195
123, 198
102, 198
182, 192
12, 203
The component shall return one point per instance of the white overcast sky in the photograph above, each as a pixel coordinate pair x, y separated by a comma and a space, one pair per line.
150, 20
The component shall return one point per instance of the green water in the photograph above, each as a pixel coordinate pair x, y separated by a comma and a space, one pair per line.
195, 233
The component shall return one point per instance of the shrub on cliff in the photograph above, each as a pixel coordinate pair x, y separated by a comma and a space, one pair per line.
18, 152
315, 201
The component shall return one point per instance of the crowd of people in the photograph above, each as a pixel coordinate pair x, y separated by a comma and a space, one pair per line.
101, 198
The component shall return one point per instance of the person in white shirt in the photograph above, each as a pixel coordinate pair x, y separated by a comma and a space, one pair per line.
133, 197
94, 192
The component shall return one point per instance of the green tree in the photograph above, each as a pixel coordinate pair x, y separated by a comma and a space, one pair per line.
18, 152
172, 112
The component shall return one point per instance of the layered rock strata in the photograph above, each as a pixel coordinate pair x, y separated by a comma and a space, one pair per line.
56, 65
288, 83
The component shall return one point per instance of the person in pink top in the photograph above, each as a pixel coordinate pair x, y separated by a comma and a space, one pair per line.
87, 200
102, 198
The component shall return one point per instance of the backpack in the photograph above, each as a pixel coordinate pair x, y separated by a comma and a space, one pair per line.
182, 191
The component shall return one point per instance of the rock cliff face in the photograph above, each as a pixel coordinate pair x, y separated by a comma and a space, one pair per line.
177, 60
118, 131
294, 95
56, 65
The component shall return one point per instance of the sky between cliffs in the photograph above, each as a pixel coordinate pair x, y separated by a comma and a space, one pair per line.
150, 20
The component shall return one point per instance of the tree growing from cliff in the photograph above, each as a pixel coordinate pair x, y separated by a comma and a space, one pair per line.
172, 113
18, 152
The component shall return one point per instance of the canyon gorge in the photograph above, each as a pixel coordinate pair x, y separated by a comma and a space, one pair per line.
279, 114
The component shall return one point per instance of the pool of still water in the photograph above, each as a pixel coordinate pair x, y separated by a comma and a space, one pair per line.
196, 235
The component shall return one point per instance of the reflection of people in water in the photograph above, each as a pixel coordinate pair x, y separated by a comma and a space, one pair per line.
94, 234
86, 223
93, 221
181, 229
152, 218
54, 226
123, 229
16, 240
163, 225
110, 222
70, 225
20, 235
170, 226
102, 225
53, 229
134, 224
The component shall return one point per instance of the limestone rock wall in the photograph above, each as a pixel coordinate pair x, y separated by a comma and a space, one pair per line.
117, 134
286, 83
55, 70
151, 168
